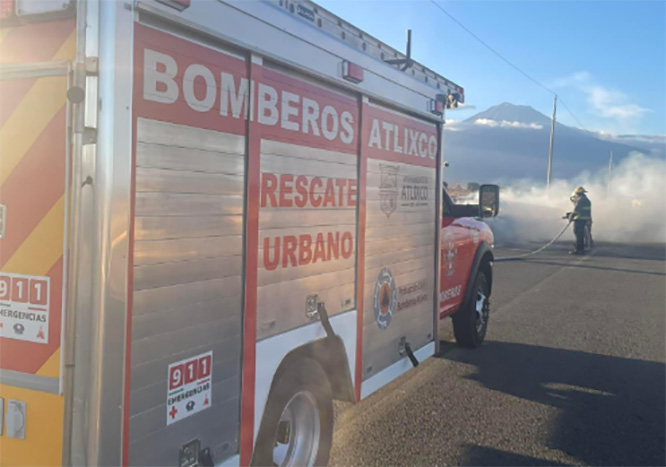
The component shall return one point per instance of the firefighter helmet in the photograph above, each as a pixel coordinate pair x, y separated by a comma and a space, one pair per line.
579, 191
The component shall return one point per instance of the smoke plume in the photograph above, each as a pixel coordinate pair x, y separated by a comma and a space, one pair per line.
629, 209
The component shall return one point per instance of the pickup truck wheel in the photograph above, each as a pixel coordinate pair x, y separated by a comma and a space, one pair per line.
297, 426
471, 322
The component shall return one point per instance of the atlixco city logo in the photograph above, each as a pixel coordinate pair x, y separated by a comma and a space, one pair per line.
386, 298
388, 188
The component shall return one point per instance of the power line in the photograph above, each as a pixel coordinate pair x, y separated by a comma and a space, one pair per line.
506, 60
572, 114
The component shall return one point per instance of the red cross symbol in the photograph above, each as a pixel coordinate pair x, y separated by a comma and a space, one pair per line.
173, 412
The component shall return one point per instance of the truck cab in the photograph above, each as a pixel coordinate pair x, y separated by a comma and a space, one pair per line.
466, 274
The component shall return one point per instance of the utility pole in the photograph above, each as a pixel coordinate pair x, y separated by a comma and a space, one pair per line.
550, 149
610, 173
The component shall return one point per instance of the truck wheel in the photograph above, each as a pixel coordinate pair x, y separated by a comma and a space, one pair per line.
297, 426
471, 322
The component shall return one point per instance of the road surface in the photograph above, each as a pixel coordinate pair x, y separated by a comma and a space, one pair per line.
572, 372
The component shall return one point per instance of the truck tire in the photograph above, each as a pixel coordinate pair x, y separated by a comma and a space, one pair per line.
297, 425
471, 322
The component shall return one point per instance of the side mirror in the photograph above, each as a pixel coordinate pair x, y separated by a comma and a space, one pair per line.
489, 199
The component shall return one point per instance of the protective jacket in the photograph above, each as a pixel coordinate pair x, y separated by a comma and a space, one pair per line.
582, 209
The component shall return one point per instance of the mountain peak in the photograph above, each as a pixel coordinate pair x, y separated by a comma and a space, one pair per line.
511, 113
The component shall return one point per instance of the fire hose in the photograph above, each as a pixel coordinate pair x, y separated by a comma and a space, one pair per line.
524, 255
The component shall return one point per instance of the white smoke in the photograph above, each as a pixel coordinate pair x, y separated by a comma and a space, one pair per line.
631, 210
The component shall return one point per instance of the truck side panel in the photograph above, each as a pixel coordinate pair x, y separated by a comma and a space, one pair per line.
188, 252
33, 190
307, 212
307, 220
400, 239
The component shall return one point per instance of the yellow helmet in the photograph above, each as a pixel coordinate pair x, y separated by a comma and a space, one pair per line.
579, 191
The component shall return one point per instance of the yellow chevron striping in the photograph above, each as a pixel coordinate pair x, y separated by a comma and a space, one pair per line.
44, 99
52, 366
68, 48
14, 56
43, 247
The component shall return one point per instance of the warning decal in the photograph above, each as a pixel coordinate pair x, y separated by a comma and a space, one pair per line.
189, 388
24, 307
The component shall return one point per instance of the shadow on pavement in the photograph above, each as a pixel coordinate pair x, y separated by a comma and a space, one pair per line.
652, 252
611, 409
482, 455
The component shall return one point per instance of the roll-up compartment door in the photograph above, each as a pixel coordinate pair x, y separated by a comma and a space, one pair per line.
190, 107
307, 213
400, 233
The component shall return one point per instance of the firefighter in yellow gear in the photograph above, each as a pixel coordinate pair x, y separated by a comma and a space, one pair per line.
581, 217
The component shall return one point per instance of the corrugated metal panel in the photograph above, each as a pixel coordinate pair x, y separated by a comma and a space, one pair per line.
188, 258
283, 287
186, 204
401, 241
160, 228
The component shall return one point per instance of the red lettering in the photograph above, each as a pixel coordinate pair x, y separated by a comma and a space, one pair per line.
304, 251
333, 245
351, 193
340, 183
329, 195
286, 189
302, 198
316, 202
320, 249
268, 186
296, 190
289, 251
347, 244
268, 264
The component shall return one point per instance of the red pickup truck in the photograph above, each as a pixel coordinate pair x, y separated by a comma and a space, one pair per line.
466, 276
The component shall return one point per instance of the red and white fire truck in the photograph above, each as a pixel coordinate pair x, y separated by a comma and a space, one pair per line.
217, 217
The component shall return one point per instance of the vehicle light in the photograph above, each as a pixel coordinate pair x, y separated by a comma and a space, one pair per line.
179, 5
6, 8
40, 7
437, 105
352, 72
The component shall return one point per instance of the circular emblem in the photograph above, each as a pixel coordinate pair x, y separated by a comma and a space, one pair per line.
386, 297
449, 254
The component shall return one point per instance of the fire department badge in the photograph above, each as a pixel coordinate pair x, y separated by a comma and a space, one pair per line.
388, 188
449, 254
385, 300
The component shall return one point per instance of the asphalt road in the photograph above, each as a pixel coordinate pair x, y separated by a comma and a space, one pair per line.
572, 372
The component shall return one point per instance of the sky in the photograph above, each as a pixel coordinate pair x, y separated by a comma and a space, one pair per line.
605, 59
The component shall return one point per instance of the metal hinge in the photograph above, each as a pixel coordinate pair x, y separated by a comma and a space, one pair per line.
89, 135
92, 66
